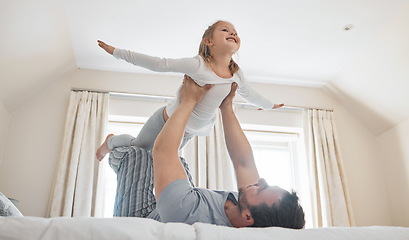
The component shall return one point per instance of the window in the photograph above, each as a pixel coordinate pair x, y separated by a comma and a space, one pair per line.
273, 158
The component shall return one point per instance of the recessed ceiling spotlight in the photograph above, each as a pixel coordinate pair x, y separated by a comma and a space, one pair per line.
348, 27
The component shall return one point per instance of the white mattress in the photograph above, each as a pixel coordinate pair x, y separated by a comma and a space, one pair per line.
206, 231
91, 228
142, 228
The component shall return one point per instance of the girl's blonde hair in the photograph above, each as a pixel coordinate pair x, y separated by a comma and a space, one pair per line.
204, 50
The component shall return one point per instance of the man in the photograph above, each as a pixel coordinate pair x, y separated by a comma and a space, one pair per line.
256, 205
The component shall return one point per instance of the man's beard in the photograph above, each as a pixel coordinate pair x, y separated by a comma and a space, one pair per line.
242, 199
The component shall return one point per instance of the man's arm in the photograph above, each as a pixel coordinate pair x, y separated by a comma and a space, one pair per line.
166, 164
237, 144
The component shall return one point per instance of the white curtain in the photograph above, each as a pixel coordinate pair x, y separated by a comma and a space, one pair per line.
77, 185
209, 161
329, 193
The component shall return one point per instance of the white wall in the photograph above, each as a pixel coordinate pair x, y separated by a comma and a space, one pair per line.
4, 121
32, 149
35, 136
395, 158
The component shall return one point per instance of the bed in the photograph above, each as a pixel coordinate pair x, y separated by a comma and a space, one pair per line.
142, 228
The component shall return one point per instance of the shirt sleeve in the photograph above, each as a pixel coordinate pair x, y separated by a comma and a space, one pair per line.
250, 95
156, 64
178, 202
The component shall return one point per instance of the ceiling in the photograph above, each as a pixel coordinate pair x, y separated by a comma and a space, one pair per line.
288, 42
291, 42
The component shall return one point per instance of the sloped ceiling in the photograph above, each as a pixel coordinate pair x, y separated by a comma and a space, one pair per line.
294, 42
374, 85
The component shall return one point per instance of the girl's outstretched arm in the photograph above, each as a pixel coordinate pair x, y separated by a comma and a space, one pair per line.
252, 96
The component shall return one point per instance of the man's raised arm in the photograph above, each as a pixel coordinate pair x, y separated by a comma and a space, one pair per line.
166, 164
237, 144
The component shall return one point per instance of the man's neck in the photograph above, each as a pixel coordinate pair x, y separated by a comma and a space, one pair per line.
233, 213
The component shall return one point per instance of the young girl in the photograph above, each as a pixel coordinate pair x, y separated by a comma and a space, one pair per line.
213, 65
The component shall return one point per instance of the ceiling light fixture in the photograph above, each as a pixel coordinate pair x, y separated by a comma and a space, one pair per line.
348, 27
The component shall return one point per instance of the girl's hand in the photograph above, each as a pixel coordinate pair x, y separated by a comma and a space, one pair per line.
278, 105
275, 106
108, 48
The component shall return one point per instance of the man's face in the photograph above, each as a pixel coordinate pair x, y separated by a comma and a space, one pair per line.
259, 193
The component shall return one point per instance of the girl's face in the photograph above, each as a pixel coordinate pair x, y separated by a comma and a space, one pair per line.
225, 37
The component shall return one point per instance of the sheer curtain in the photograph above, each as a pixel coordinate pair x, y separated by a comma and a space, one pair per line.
329, 193
77, 186
209, 161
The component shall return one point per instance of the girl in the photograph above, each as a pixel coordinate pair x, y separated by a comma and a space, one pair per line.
213, 65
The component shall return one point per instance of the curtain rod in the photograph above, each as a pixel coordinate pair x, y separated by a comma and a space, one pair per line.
169, 98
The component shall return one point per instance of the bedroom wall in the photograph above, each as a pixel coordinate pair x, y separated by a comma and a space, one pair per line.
4, 121
395, 161
35, 136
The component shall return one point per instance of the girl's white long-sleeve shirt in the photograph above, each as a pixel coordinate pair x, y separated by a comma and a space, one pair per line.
203, 116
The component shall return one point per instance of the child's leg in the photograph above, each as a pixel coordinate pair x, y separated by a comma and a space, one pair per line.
150, 131
112, 141
122, 140
145, 138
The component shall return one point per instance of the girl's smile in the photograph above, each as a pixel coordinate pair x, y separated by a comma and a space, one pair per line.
225, 32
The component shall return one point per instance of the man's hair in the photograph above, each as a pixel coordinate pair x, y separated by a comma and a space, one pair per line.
286, 213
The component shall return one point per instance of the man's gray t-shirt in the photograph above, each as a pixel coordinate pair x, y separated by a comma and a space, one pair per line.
179, 202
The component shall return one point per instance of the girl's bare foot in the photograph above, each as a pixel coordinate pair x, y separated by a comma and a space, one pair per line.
103, 149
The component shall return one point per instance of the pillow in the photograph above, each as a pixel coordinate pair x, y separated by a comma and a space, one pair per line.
7, 208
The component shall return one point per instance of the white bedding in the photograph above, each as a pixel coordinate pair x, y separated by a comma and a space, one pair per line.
142, 228
206, 231
92, 228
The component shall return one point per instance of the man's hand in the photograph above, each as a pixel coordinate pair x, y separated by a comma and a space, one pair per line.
228, 100
108, 48
190, 92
